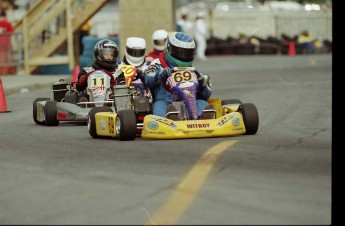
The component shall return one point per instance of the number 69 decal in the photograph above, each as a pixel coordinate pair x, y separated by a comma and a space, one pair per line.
183, 76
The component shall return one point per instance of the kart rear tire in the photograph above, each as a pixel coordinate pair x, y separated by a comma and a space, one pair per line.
231, 101
34, 109
126, 124
91, 120
250, 117
50, 113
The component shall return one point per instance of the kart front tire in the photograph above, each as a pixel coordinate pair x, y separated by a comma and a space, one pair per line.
91, 120
126, 124
231, 101
50, 113
34, 109
250, 117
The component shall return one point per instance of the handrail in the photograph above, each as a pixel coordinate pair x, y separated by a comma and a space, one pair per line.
49, 25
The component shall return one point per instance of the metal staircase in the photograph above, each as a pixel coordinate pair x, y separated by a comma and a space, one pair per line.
51, 25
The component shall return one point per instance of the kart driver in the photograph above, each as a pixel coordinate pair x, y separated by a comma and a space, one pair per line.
159, 38
179, 52
135, 55
105, 54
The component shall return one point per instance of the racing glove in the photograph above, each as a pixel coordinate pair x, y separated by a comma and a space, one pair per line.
140, 73
201, 80
83, 80
164, 75
120, 79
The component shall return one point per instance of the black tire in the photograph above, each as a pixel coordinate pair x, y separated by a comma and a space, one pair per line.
126, 124
50, 113
34, 109
231, 101
250, 117
91, 120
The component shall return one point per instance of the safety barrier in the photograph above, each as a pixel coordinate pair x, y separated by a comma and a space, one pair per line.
264, 24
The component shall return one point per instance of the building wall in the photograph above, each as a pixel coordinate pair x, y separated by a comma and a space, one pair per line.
140, 18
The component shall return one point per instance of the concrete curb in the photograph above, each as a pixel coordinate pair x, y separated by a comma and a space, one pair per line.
19, 83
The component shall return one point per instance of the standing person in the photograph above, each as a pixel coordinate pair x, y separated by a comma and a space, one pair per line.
179, 52
159, 38
105, 54
200, 35
184, 25
6, 30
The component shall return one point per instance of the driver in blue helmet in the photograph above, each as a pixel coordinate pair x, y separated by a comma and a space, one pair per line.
179, 52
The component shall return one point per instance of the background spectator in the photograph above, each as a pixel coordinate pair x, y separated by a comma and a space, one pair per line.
184, 25
307, 41
201, 35
6, 58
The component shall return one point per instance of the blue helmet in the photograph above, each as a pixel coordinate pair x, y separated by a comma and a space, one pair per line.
180, 49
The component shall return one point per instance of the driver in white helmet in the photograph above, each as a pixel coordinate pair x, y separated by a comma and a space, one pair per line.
159, 39
135, 55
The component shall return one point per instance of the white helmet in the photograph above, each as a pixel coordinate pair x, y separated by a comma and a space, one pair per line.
135, 51
158, 37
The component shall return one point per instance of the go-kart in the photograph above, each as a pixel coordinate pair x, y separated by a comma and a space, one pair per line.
231, 117
67, 104
124, 119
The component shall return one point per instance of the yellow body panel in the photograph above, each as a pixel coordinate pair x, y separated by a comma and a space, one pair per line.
156, 127
226, 109
217, 104
105, 124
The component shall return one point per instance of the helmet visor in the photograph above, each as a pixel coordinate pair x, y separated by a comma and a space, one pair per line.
160, 42
135, 52
183, 54
109, 53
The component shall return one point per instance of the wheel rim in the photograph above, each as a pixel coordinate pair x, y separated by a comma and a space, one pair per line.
118, 125
88, 123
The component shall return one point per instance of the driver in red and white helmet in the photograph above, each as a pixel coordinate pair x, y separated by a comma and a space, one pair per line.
159, 39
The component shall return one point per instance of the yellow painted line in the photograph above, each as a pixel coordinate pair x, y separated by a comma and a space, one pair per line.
185, 192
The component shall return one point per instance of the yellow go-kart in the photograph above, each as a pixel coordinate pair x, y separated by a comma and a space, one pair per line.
231, 117
124, 119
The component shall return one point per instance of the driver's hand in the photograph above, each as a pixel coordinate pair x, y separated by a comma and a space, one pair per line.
164, 75
140, 73
83, 80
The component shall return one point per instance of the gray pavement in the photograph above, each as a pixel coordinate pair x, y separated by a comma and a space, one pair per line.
12, 84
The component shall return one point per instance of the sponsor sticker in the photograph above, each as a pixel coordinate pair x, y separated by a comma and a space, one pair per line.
102, 125
235, 121
152, 125
198, 125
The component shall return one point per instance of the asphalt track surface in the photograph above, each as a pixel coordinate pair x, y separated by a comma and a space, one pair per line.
281, 175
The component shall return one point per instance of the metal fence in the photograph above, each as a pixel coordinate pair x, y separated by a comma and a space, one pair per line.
11, 53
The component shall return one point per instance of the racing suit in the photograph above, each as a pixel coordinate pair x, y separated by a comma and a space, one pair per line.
154, 54
82, 80
155, 79
138, 81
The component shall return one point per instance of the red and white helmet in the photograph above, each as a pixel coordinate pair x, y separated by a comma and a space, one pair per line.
159, 38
